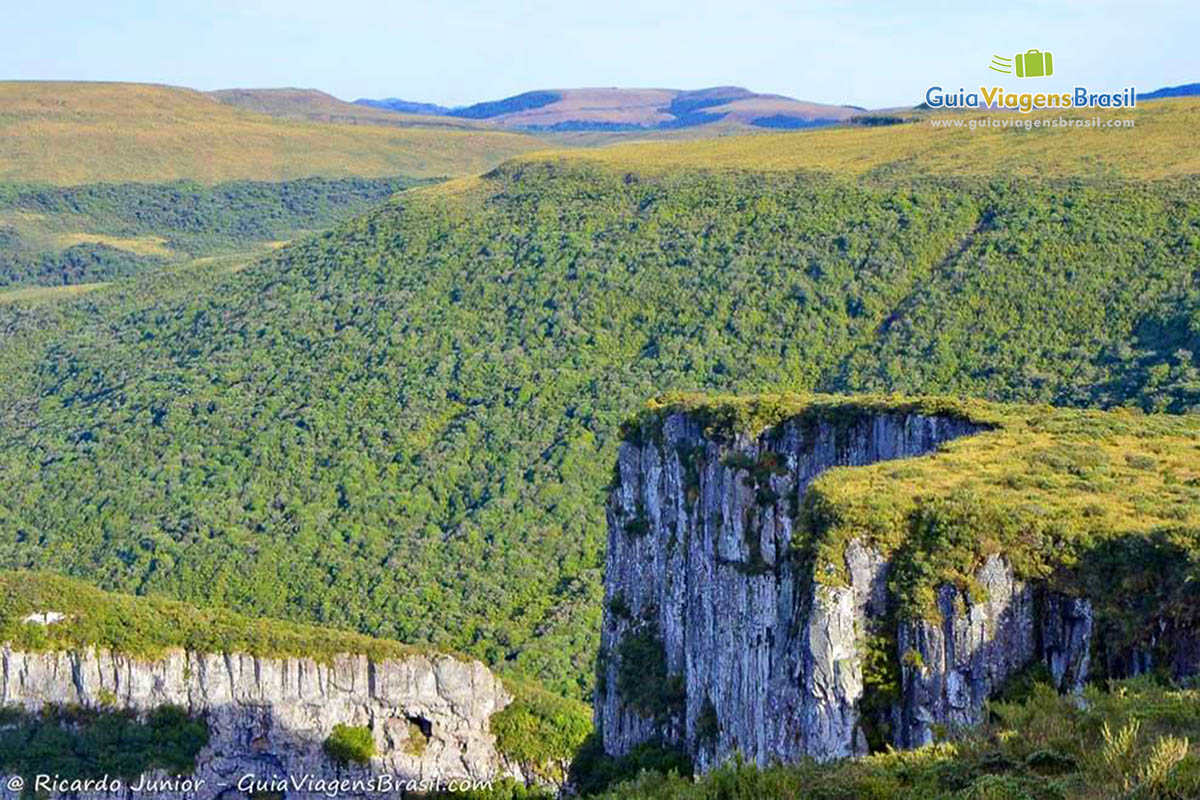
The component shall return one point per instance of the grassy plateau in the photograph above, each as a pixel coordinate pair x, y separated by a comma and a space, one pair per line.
73, 133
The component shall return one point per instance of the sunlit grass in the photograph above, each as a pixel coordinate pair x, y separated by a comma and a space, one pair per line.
73, 133
141, 245
1162, 144
35, 294
1038, 485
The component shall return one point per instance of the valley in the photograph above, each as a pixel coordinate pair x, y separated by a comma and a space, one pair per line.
292, 380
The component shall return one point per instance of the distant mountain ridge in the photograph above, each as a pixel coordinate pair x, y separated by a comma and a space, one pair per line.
1183, 90
404, 106
616, 109
314, 105
69, 133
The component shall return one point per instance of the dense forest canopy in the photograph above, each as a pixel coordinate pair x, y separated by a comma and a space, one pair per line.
406, 426
53, 235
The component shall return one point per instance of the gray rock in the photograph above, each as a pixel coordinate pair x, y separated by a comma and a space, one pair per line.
700, 554
270, 716
699, 550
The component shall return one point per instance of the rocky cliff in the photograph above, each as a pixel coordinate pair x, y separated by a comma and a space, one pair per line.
269, 717
722, 635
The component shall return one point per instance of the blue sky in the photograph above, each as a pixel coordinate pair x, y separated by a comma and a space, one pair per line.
872, 54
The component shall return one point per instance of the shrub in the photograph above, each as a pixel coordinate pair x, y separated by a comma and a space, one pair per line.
75, 742
350, 743
540, 730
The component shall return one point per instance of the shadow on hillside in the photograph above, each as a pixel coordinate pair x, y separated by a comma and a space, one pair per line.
1145, 591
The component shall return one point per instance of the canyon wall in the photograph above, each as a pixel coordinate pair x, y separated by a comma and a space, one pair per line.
718, 638
428, 714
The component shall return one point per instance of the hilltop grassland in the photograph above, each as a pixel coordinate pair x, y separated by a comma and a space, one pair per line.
405, 426
1162, 144
317, 106
1045, 487
76, 133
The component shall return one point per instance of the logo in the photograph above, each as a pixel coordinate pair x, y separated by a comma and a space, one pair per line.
1030, 64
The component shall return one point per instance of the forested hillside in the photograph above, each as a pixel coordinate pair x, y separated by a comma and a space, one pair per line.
405, 426
95, 232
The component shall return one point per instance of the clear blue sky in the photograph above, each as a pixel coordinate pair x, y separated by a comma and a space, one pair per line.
867, 53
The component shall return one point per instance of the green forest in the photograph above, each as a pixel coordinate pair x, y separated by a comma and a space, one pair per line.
405, 426
184, 219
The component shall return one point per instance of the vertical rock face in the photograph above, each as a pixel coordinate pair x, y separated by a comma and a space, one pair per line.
715, 639
949, 668
270, 717
719, 639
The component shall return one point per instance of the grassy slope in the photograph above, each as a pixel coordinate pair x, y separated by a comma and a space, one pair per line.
1161, 145
317, 106
149, 626
405, 426
72, 133
34, 294
1042, 486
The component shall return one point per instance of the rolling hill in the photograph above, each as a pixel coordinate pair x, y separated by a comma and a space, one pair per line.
317, 106
74, 133
405, 426
96, 232
614, 109
1159, 145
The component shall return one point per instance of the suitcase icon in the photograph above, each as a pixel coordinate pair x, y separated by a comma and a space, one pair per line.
1034, 64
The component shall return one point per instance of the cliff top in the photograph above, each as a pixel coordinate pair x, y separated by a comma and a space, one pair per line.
41, 612
1057, 491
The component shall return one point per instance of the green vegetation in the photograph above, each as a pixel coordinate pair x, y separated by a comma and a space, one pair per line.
725, 417
350, 744
75, 743
83, 263
1161, 145
99, 232
642, 677
36, 294
540, 730
593, 772
506, 789
75, 133
708, 724
149, 626
1134, 739
881, 684
405, 427
1051, 489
